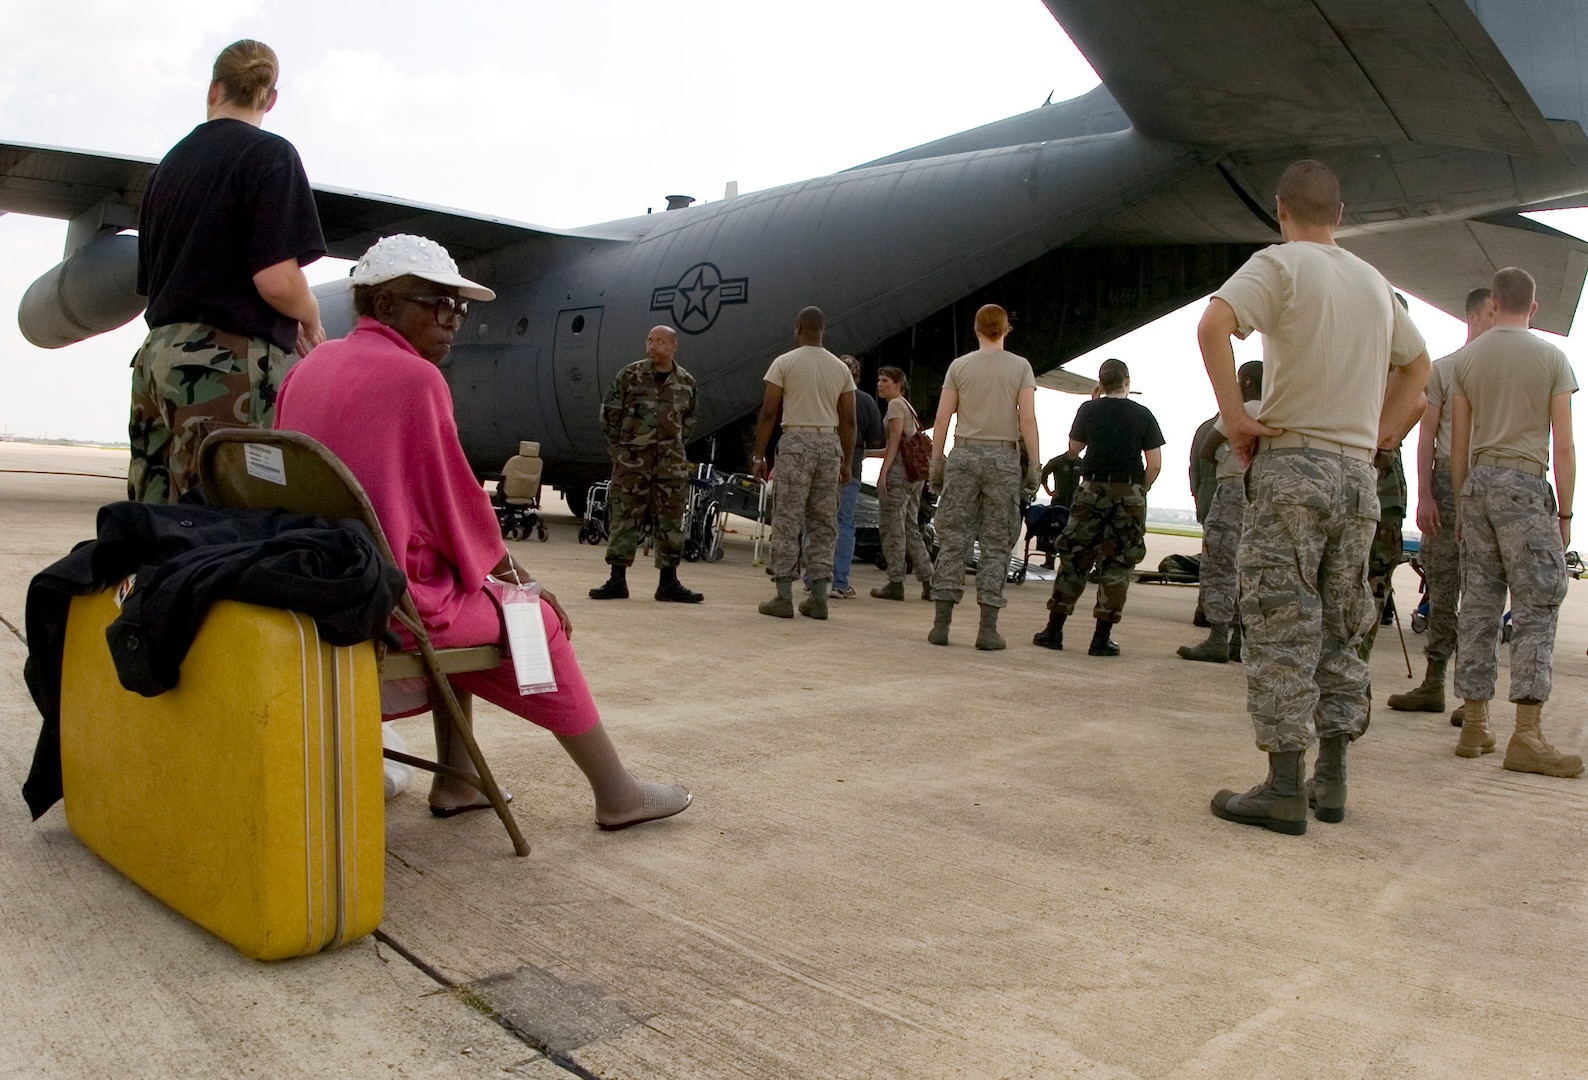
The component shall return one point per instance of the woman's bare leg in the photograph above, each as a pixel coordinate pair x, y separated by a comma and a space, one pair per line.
621, 800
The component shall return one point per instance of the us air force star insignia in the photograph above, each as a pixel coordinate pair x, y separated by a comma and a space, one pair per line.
697, 299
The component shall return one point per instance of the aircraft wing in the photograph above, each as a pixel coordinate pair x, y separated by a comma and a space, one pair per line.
46, 181
1068, 382
1441, 263
1294, 73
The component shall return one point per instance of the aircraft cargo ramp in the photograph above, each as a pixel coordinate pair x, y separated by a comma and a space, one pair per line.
902, 861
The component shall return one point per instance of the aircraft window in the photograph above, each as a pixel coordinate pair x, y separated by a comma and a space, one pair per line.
578, 324
523, 327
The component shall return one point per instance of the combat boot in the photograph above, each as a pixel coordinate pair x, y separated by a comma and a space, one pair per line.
1476, 739
780, 606
1326, 789
1429, 697
1214, 650
814, 606
616, 587
675, 591
1529, 752
1459, 716
1235, 643
1278, 803
926, 590
938, 635
1100, 645
893, 590
1052, 635
987, 637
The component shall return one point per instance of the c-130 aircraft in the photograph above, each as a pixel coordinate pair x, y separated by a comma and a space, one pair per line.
1446, 119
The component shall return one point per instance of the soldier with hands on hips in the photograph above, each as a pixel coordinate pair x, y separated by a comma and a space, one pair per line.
1343, 365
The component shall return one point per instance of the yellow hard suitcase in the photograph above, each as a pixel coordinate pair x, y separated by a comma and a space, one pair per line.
248, 798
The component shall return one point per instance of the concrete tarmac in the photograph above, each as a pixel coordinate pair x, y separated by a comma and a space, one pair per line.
902, 861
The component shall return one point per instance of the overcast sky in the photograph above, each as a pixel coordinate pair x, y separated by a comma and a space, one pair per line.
555, 114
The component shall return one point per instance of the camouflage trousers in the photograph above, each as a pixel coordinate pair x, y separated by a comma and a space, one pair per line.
1221, 543
1106, 534
899, 521
188, 380
807, 501
1510, 539
1304, 599
980, 503
1441, 562
639, 497
1383, 556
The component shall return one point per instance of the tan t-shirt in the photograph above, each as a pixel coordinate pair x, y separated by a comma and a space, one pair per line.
1331, 330
1438, 391
1509, 377
988, 382
813, 380
900, 409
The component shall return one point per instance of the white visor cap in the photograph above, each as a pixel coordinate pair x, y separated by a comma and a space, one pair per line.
406, 255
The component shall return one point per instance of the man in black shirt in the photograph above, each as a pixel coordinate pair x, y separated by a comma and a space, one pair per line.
227, 223
1108, 517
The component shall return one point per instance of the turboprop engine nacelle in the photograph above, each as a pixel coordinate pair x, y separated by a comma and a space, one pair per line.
92, 290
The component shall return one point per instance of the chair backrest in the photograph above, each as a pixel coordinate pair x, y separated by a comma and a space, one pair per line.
283, 470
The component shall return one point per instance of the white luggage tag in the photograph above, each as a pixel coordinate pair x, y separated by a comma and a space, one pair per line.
526, 636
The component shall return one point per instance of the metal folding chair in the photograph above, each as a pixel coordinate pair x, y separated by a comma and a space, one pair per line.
286, 470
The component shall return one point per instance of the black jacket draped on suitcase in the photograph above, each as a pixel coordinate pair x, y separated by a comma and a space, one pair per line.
185, 558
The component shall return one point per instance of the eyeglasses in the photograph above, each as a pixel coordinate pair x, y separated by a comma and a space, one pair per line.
448, 310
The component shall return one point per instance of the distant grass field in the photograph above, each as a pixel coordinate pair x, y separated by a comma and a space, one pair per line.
1173, 530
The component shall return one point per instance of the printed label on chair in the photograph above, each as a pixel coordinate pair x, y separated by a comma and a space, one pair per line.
265, 462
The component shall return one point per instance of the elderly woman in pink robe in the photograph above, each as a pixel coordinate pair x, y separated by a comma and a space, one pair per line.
378, 401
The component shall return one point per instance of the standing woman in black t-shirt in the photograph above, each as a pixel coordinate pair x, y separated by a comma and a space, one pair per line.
1108, 516
227, 224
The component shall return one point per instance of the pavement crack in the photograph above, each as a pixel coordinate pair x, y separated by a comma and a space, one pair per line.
11, 626
473, 1000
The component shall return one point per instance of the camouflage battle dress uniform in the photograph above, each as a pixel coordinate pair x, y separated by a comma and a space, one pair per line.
188, 380
1304, 597
1105, 537
1106, 534
648, 421
1385, 554
226, 203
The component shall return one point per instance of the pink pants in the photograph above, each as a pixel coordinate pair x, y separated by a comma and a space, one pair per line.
568, 710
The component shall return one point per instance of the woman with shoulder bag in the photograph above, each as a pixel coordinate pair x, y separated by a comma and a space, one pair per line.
898, 493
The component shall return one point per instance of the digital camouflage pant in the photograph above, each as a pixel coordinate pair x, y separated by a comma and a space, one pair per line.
1440, 558
899, 520
980, 503
1221, 543
188, 380
1107, 533
1510, 539
807, 500
1305, 602
638, 496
